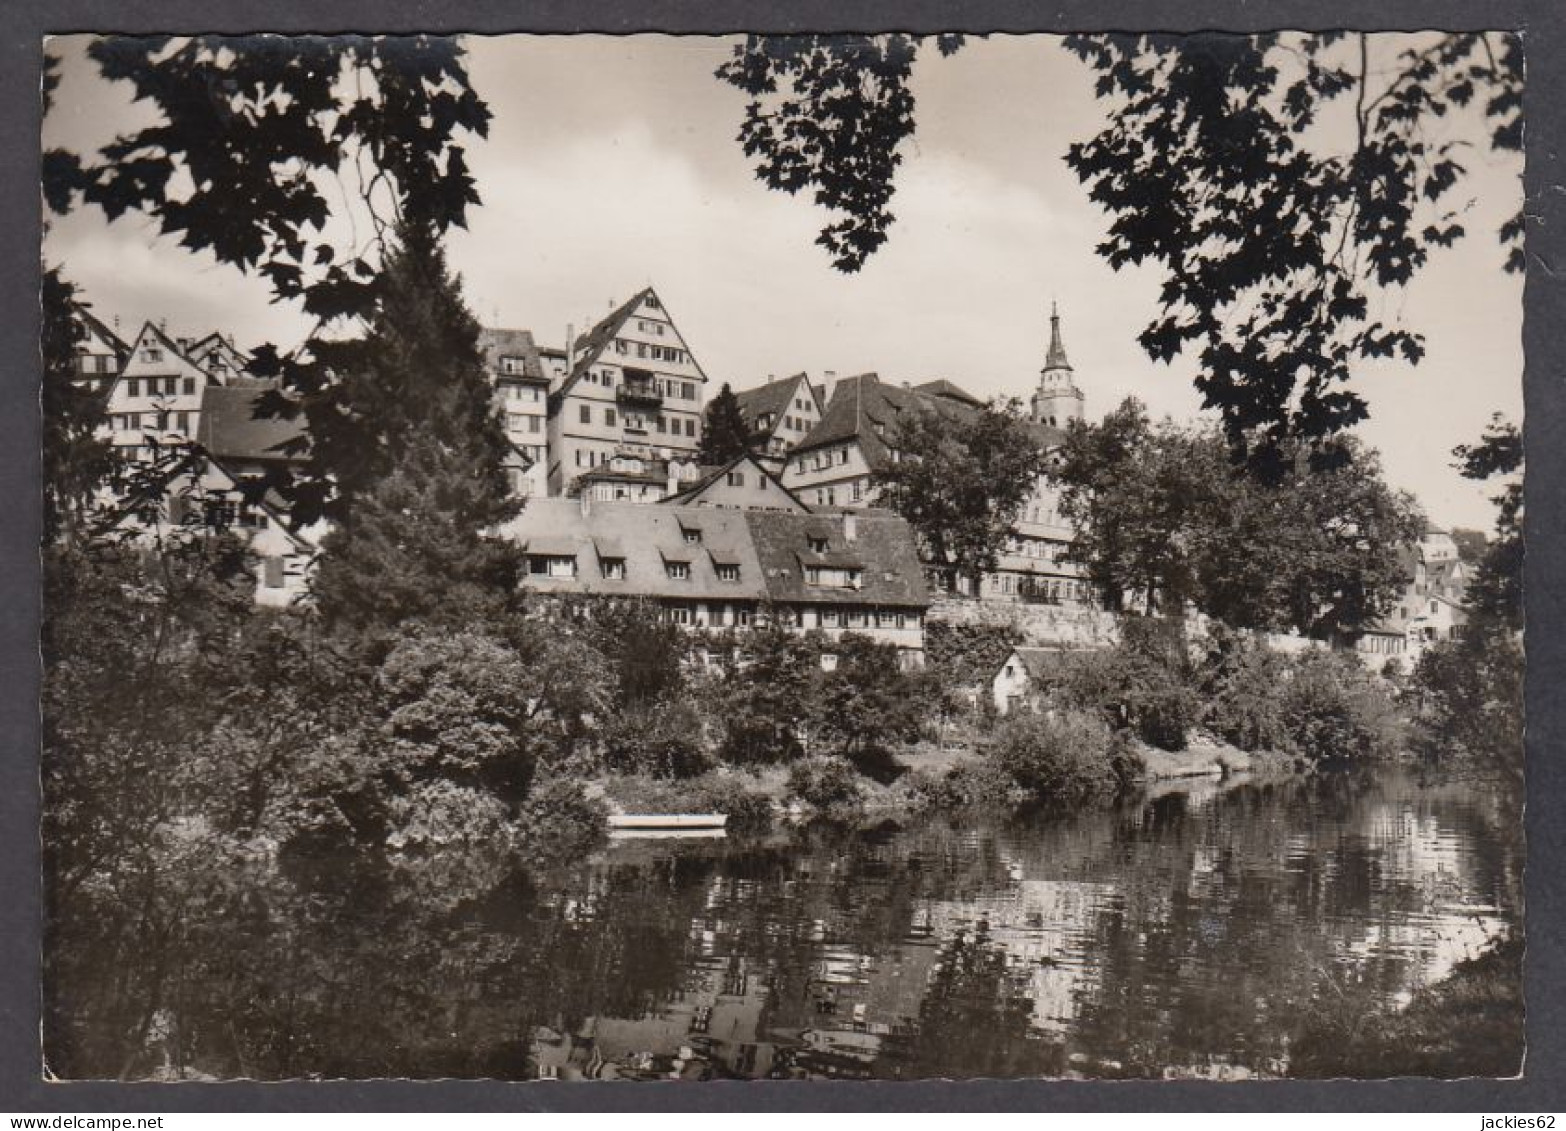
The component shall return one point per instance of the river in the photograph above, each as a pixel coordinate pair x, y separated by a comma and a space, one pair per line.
1188, 932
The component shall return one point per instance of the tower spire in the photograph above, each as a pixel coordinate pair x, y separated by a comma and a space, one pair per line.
1056, 358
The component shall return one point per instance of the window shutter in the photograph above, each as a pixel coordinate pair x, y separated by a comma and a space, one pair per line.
273, 572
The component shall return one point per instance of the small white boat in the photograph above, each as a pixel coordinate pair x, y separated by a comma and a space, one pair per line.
668, 820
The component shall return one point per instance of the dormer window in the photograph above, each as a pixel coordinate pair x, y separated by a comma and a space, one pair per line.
678, 571
152, 353
728, 573
613, 569
512, 366
692, 535
818, 545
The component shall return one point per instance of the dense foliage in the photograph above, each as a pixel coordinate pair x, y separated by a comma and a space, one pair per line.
962, 479
1471, 689
1164, 520
1280, 182
725, 433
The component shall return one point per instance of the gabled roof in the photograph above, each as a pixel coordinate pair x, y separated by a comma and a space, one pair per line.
647, 537
864, 409
944, 388
882, 547
230, 425
1039, 663
118, 344
497, 342
591, 345
770, 400
708, 474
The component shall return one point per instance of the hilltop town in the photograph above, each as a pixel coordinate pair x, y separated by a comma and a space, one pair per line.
604, 439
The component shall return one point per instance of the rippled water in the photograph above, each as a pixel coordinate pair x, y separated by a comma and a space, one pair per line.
1191, 932
1185, 934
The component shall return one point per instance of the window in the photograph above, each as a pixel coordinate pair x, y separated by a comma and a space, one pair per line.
535, 423
728, 573
736, 479
613, 569
812, 575
641, 349
609, 416
190, 386
743, 617
851, 578
680, 614
182, 422
828, 618
678, 571
272, 572
856, 618
692, 535
858, 491
690, 427
152, 353
818, 545
133, 387
842, 455
587, 414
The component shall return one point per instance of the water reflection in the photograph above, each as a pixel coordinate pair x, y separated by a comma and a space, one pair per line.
1184, 934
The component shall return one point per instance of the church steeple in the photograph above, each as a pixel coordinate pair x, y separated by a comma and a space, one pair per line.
1058, 401
1056, 358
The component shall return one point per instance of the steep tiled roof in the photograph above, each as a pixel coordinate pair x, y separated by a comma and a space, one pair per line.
772, 399
118, 344
768, 546
230, 426
709, 473
496, 343
648, 537
1040, 663
882, 547
864, 408
944, 388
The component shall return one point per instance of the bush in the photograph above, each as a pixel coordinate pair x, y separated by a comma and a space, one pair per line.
969, 786
825, 782
1069, 758
662, 738
1243, 682
558, 821
1332, 711
710, 793
1144, 684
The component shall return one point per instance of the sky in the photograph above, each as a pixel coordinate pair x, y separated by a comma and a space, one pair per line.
611, 163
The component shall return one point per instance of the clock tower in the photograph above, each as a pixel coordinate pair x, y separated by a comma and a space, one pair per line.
1058, 401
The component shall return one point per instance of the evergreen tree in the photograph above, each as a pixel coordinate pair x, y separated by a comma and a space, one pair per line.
410, 440
724, 431
75, 459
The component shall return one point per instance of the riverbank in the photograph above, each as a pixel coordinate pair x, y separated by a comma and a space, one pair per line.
1468, 1024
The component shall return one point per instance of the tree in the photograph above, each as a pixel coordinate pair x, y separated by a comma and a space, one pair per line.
76, 460
1471, 545
260, 143
1279, 180
725, 434
257, 136
961, 480
409, 437
766, 695
1163, 516
1472, 688
866, 702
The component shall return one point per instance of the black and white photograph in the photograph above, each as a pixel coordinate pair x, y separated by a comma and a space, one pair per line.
866, 556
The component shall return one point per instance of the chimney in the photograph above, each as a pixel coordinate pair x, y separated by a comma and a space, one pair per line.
850, 528
570, 347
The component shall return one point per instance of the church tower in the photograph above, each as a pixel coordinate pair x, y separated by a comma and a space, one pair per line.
1058, 401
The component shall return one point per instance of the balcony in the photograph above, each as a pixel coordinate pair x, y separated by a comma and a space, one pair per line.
635, 394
